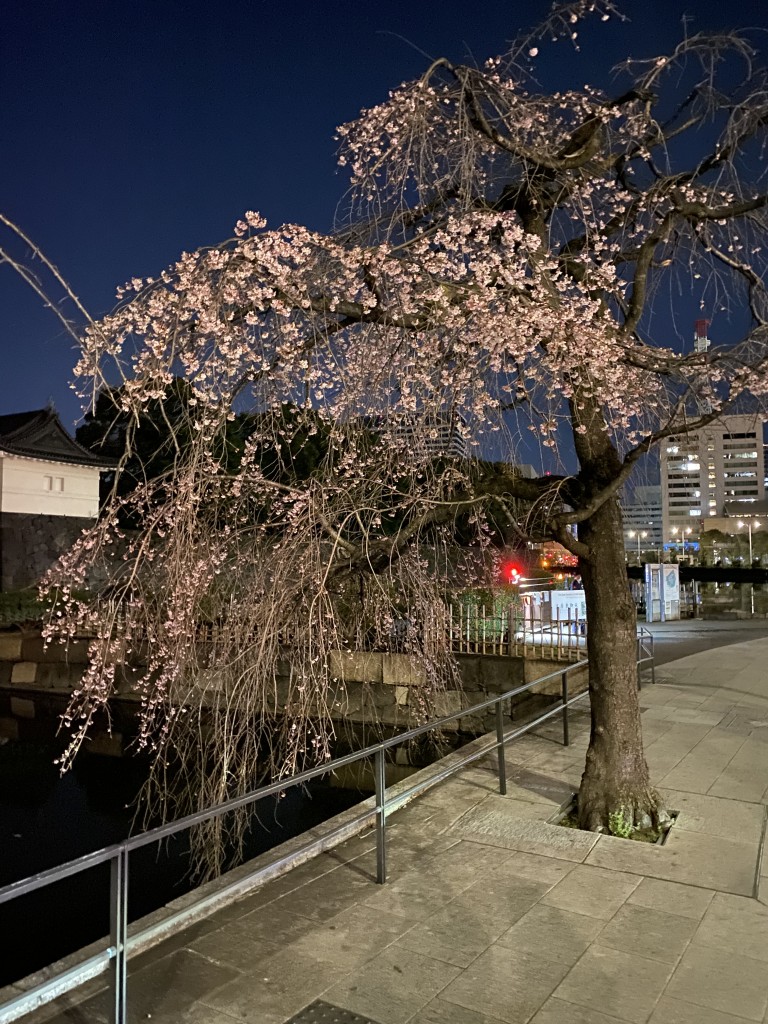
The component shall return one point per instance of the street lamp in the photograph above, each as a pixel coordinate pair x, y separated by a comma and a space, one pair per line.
684, 534
638, 534
749, 527
674, 530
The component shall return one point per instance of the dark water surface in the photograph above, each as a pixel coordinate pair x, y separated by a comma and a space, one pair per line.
47, 819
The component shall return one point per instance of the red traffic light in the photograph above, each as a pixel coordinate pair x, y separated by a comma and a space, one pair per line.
511, 573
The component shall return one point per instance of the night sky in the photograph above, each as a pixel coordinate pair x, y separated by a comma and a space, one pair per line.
132, 131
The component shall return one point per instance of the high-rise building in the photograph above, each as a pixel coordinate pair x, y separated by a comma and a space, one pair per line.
718, 464
702, 471
642, 519
426, 435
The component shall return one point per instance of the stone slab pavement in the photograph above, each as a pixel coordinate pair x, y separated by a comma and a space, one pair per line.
491, 914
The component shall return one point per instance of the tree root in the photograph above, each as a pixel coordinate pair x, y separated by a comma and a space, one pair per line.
621, 815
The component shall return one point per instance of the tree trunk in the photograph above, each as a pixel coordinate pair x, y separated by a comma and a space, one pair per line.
615, 788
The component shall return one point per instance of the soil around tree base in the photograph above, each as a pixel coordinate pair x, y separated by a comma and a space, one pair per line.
568, 817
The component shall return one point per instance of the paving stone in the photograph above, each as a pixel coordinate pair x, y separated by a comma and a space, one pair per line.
735, 923
673, 712
413, 896
558, 1011
689, 857
738, 784
650, 933
439, 1011
701, 768
407, 848
621, 984
534, 867
496, 811
457, 796
753, 754
731, 819
273, 923
592, 891
328, 895
721, 980
168, 990
551, 934
675, 1011
463, 854
672, 898
508, 986
272, 995
351, 938
506, 899
393, 986
682, 737
661, 760
537, 787
232, 945
498, 824
456, 934
495, 887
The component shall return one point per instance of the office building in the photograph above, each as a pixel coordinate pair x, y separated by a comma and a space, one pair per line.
641, 512
703, 471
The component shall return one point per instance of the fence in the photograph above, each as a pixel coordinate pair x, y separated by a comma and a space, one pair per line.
468, 628
114, 955
475, 629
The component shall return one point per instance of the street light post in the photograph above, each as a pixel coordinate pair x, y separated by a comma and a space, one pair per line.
638, 534
674, 530
684, 536
749, 526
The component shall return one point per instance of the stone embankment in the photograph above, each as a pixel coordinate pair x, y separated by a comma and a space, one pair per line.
373, 690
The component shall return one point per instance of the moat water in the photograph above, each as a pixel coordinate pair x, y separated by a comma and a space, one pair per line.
47, 819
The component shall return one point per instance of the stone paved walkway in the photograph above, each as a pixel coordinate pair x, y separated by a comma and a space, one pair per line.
491, 915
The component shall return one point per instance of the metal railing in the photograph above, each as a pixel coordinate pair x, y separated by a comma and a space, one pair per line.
645, 654
114, 956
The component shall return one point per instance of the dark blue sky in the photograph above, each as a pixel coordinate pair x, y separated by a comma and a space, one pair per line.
134, 130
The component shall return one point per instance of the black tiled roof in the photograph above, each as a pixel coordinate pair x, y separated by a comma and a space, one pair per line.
39, 435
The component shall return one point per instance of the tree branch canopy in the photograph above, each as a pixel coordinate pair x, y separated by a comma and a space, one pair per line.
494, 300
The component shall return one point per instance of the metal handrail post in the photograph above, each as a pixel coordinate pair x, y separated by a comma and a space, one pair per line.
381, 817
566, 731
638, 663
118, 935
500, 741
653, 662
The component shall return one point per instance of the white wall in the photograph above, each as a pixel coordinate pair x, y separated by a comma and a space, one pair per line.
36, 487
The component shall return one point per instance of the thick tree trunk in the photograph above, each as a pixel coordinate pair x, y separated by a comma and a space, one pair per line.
615, 788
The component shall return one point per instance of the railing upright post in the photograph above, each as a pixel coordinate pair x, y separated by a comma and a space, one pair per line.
566, 730
381, 818
118, 934
653, 662
500, 749
639, 667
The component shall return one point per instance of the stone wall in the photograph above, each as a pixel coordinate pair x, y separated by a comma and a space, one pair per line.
375, 694
30, 544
